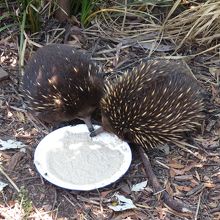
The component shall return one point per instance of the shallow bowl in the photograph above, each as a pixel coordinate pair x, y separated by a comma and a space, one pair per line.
68, 157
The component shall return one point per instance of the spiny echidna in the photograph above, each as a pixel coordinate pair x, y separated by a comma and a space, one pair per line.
153, 104
61, 84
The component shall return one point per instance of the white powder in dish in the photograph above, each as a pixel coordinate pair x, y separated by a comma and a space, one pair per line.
81, 160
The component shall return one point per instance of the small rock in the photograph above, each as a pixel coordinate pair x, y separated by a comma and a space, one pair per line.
3, 74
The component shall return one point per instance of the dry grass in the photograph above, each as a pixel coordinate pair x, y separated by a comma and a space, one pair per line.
198, 24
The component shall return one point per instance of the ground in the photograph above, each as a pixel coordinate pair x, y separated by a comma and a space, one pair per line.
190, 175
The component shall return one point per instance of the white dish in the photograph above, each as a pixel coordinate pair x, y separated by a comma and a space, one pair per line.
69, 158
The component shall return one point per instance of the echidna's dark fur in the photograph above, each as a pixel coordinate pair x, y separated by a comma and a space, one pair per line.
152, 104
60, 84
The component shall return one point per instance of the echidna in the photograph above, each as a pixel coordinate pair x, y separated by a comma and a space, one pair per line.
153, 104
61, 84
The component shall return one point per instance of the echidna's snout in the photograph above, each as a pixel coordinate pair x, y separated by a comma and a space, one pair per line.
106, 126
87, 121
96, 132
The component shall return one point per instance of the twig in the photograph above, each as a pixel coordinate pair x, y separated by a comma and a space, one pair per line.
198, 206
32, 119
125, 14
18, 109
162, 164
9, 179
83, 199
196, 190
69, 201
171, 203
55, 198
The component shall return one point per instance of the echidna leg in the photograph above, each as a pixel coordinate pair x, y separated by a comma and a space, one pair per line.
170, 202
88, 122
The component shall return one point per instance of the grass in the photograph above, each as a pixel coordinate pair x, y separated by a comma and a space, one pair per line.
5, 27
83, 9
25, 203
29, 14
30, 10
195, 23
87, 7
7, 21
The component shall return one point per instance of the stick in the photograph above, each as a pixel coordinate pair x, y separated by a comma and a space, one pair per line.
9, 179
170, 202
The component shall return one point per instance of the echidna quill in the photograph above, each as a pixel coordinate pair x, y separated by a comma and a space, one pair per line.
61, 84
153, 104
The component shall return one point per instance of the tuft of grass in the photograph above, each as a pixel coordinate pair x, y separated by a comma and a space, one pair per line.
5, 27
84, 9
180, 24
87, 7
25, 202
7, 18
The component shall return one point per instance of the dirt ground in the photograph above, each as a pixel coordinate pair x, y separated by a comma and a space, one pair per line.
191, 175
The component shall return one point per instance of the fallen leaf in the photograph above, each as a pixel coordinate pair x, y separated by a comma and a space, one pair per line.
209, 185
14, 160
172, 172
139, 186
2, 185
213, 204
20, 116
11, 144
185, 169
216, 215
105, 193
122, 204
176, 165
184, 188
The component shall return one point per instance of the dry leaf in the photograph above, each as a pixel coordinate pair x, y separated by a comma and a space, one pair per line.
209, 185
184, 188
105, 193
2, 185
139, 186
11, 144
14, 160
123, 204
175, 164
20, 116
